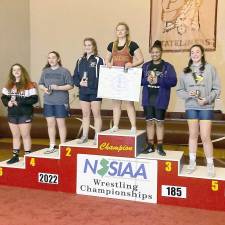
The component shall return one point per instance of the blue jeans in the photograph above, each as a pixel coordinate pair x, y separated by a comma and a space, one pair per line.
57, 111
192, 114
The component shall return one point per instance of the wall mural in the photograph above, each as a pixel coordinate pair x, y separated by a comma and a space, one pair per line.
182, 23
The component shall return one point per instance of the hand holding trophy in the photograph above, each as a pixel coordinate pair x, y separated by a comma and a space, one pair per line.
152, 78
84, 80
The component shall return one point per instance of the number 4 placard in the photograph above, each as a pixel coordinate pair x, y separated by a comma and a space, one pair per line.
174, 191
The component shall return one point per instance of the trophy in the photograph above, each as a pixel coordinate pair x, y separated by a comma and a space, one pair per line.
198, 94
125, 70
13, 98
152, 75
13, 95
85, 76
49, 89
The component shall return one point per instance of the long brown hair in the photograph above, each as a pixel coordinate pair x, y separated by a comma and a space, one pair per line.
127, 35
58, 57
94, 44
24, 78
203, 60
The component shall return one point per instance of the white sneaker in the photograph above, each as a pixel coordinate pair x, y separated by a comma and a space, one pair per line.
82, 140
114, 129
133, 130
95, 140
191, 167
211, 170
51, 150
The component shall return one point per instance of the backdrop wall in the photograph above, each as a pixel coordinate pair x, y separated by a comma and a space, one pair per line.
15, 37
30, 33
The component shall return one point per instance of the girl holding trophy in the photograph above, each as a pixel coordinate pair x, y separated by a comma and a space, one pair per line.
18, 96
86, 78
158, 77
55, 81
126, 53
199, 87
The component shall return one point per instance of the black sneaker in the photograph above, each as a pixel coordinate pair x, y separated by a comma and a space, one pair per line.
149, 149
14, 159
160, 150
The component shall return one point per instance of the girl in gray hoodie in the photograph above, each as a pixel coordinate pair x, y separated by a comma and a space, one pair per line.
199, 86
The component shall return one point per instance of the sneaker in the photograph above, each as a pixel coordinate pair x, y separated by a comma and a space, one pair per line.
133, 130
27, 152
95, 140
114, 129
51, 150
82, 140
14, 159
160, 150
211, 170
191, 167
149, 149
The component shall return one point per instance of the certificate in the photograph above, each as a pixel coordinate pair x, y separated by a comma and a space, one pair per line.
116, 83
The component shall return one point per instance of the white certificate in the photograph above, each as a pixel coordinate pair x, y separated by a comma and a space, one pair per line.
115, 83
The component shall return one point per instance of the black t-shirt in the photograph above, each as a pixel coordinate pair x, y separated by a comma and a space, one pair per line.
153, 89
133, 46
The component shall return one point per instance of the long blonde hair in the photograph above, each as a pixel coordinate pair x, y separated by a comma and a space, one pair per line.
127, 35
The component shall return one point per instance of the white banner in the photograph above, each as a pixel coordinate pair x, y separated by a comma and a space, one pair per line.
115, 83
117, 177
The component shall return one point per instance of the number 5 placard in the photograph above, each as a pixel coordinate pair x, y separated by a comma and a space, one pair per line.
117, 83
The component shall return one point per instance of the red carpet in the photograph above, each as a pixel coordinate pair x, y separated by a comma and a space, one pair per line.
20, 206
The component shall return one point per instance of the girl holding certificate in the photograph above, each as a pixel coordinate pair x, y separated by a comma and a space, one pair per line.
126, 53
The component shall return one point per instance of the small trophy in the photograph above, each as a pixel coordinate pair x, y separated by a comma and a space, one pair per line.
85, 76
153, 75
13, 98
49, 89
125, 69
198, 94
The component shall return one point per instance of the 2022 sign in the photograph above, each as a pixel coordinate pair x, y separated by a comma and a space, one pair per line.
48, 178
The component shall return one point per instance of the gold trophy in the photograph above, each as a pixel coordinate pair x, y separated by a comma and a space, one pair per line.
198, 94
152, 76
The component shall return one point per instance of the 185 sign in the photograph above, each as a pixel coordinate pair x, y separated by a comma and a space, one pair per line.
174, 191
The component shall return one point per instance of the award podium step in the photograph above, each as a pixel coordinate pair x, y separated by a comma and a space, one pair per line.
120, 143
117, 168
177, 187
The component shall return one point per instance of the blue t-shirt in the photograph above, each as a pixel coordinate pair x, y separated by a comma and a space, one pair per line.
60, 77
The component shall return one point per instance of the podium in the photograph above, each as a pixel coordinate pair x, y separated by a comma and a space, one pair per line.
117, 168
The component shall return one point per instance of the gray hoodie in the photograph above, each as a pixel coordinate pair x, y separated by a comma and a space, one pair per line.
207, 84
